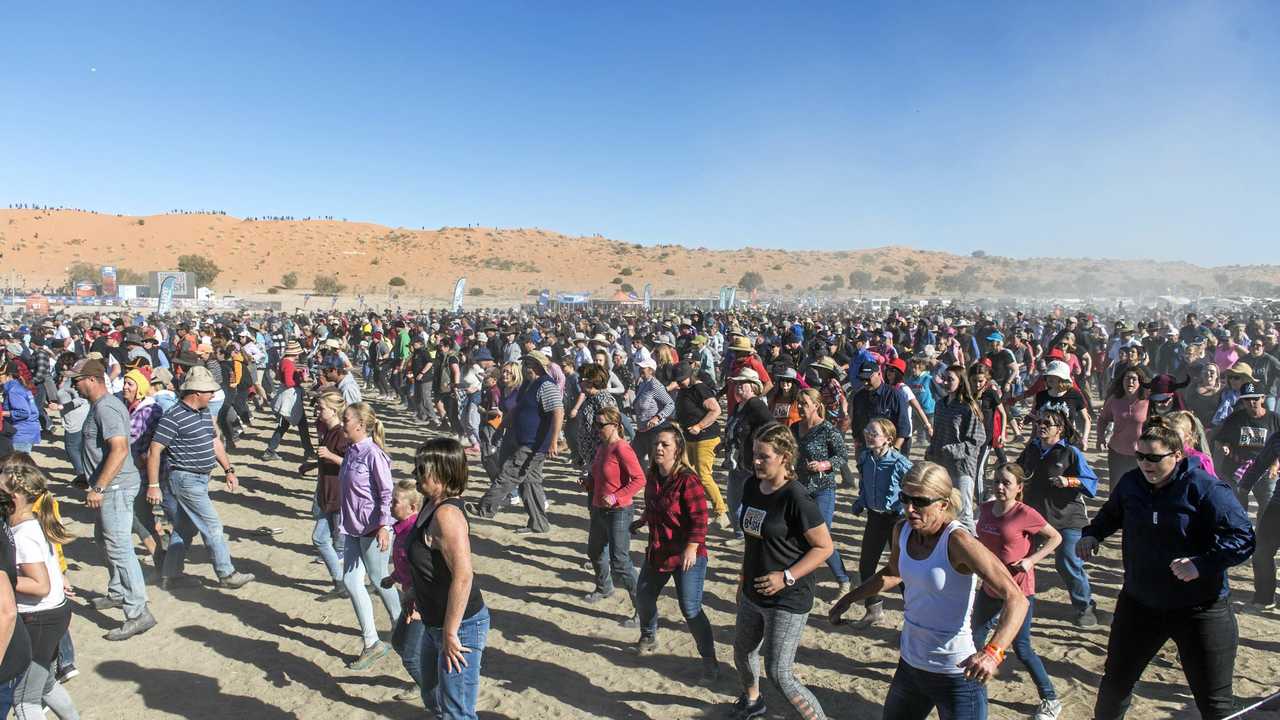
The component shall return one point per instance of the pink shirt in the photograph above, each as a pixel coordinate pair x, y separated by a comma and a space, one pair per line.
1206, 462
615, 471
1008, 537
1126, 416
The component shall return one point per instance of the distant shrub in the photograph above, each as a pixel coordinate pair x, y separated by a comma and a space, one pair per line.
142, 221
668, 271
669, 292
616, 281
202, 267
626, 287
289, 280
475, 291
273, 291
533, 292
396, 281
327, 285
978, 253
626, 272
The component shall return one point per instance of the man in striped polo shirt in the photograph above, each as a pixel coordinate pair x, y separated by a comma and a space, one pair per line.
186, 438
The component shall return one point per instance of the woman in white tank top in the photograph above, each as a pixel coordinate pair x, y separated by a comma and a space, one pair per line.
939, 563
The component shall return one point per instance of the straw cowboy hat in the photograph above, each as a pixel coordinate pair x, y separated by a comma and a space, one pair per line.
747, 375
826, 363
741, 344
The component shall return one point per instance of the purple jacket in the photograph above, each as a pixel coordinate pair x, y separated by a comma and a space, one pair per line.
143, 420
365, 485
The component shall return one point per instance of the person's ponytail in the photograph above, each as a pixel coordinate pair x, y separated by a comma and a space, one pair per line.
54, 531
379, 434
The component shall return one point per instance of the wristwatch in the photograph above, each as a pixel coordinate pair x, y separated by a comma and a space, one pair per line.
788, 577
231, 470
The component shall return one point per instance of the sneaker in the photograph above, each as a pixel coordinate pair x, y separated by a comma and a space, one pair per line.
136, 626
724, 522
106, 602
596, 596
647, 645
844, 589
473, 511
371, 655
631, 622
410, 693
235, 580
1086, 617
338, 591
745, 709
66, 672
1048, 710
270, 456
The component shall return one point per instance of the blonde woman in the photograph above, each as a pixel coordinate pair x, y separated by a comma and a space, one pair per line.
366, 486
939, 563
327, 535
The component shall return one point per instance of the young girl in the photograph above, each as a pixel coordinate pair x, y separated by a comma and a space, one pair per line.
42, 602
882, 468
1007, 527
406, 637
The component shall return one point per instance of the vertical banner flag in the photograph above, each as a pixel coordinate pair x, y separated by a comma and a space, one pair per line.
544, 298
457, 293
733, 295
334, 304
109, 281
165, 303
648, 296
724, 297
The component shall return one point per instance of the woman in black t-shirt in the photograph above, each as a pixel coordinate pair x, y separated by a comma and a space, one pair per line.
787, 540
14, 641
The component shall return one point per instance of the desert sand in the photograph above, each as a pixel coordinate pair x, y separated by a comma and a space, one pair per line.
271, 650
504, 265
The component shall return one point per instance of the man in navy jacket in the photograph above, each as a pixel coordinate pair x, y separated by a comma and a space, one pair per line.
1183, 528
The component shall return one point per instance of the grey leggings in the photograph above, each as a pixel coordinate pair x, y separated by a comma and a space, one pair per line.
778, 631
39, 687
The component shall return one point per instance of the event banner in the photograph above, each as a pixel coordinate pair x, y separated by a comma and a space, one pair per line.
166, 295
457, 294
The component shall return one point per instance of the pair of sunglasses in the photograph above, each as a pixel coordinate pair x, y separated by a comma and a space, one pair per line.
916, 501
1151, 457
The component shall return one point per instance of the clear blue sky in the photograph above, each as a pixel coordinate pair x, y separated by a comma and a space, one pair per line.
1125, 129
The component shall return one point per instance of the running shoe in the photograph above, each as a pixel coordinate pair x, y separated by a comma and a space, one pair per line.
371, 655
745, 709
1049, 710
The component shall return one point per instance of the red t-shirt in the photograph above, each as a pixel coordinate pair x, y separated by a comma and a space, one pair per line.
1008, 537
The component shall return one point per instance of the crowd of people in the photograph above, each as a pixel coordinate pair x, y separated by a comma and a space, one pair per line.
739, 426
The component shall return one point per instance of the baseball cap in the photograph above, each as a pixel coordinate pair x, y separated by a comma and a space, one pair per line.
88, 367
867, 369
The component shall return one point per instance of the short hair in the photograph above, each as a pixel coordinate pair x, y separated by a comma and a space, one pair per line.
443, 459
934, 480
593, 376
1164, 435
408, 490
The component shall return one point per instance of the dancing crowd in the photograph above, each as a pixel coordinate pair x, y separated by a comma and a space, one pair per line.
751, 431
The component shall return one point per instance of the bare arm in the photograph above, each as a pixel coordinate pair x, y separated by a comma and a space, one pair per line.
33, 579
967, 554
8, 615
713, 413
224, 462
118, 451
450, 528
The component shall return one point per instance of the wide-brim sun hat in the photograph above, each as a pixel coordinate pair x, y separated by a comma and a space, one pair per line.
199, 379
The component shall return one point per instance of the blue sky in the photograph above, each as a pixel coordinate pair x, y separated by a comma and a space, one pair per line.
1122, 129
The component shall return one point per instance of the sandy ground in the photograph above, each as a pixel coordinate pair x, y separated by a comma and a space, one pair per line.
271, 650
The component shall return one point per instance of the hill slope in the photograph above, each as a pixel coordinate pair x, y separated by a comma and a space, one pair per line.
507, 264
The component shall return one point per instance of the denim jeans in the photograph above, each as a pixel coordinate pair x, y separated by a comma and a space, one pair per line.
914, 693
74, 442
23, 447
826, 502
986, 613
1206, 637
1071, 569
191, 510
327, 539
6, 695
688, 594
965, 514
609, 547
452, 695
66, 653
406, 638
114, 534
1262, 492
470, 414
361, 554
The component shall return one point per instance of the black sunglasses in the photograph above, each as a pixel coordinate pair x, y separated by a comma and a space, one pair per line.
917, 501
1152, 457
602, 425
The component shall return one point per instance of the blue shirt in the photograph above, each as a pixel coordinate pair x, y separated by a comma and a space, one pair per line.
881, 481
1194, 515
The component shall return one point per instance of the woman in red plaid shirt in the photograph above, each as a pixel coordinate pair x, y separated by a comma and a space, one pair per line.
676, 513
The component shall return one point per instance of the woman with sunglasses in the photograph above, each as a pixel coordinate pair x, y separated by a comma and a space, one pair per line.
1183, 529
787, 540
675, 512
1056, 490
939, 564
1008, 528
615, 478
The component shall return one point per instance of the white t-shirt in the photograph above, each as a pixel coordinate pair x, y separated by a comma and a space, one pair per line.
30, 546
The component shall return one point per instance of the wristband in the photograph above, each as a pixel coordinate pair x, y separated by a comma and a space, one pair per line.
994, 652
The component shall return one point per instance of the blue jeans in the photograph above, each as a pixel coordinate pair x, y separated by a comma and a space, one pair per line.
688, 593
113, 531
452, 695
406, 638
66, 653
1071, 569
361, 554
914, 693
6, 695
826, 502
327, 537
986, 613
23, 447
609, 547
74, 443
470, 415
190, 510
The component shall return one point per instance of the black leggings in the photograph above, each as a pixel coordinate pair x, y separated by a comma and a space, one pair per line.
875, 538
303, 430
1264, 556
